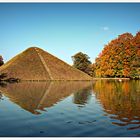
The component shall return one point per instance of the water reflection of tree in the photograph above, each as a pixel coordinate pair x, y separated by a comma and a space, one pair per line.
82, 97
0, 96
3, 84
121, 100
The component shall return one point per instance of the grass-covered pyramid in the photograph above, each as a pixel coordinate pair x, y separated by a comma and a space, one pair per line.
37, 64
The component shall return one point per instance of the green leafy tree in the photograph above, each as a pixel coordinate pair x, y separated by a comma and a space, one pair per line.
1, 61
2, 75
81, 61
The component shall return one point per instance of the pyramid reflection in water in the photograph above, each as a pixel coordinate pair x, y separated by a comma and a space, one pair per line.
33, 96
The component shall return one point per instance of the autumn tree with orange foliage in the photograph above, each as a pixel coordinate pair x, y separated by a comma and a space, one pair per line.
120, 58
135, 64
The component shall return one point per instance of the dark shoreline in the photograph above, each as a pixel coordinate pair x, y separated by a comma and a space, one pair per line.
113, 79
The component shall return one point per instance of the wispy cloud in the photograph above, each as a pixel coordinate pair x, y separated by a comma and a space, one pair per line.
105, 28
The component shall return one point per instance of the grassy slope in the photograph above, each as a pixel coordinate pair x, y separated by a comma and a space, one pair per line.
26, 65
61, 70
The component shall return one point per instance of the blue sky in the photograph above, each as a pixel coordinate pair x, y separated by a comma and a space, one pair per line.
64, 29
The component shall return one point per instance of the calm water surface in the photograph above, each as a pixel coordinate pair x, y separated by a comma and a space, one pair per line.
101, 108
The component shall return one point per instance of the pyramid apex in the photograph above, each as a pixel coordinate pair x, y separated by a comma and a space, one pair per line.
33, 47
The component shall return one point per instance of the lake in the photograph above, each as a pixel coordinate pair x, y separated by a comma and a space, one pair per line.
87, 109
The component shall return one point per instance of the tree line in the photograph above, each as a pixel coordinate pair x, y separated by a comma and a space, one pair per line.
119, 58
